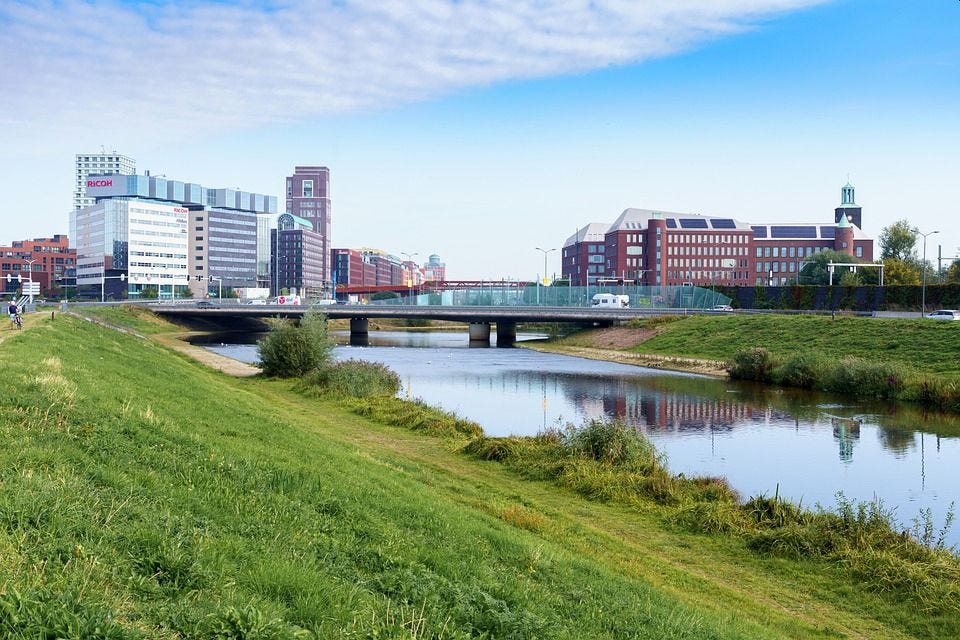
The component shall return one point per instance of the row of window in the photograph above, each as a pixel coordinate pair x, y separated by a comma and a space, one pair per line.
687, 250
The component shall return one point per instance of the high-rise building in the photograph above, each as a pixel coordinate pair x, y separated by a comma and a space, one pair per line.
94, 164
146, 232
308, 198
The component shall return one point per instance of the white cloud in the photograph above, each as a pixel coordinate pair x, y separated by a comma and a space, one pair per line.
203, 65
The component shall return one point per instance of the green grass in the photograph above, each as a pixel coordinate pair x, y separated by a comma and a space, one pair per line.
143, 495
926, 346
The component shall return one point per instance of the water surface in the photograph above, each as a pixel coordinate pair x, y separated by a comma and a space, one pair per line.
806, 446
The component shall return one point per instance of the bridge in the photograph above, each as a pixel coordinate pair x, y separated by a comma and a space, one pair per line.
479, 318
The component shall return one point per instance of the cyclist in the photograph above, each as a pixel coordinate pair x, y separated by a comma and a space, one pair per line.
14, 312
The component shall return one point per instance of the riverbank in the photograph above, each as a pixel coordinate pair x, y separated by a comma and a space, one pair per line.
919, 360
153, 496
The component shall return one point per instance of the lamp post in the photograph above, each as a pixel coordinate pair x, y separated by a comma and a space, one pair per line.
923, 267
545, 252
409, 257
103, 284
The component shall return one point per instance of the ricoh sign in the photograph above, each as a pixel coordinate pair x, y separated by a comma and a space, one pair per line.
103, 186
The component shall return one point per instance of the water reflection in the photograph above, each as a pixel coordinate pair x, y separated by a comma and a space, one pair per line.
806, 446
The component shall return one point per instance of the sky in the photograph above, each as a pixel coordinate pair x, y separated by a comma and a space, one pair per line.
481, 130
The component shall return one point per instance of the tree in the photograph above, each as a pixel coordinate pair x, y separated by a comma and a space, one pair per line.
850, 279
816, 271
898, 241
900, 272
952, 275
292, 350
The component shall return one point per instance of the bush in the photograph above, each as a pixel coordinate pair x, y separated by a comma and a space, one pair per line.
612, 442
752, 364
291, 350
354, 378
806, 371
863, 378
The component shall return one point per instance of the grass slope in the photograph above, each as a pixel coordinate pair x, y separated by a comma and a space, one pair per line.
926, 346
143, 495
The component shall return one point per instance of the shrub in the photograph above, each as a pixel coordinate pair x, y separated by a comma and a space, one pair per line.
352, 378
291, 350
806, 371
752, 364
612, 442
863, 378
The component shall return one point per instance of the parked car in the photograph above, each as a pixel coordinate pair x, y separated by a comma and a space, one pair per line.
944, 314
721, 307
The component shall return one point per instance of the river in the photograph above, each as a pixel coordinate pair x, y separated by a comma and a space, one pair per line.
806, 446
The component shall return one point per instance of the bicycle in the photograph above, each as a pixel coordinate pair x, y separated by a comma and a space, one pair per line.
18, 321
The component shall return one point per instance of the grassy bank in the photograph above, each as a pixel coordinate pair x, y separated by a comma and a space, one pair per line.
142, 494
924, 346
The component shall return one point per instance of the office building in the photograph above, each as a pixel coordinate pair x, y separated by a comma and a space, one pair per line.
653, 248
434, 270
308, 198
297, 258
98, 164
376, 268
149, 234
48, 261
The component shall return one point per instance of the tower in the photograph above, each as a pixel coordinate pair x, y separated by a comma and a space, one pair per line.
308, 197
843, 238
96, 164
848, 207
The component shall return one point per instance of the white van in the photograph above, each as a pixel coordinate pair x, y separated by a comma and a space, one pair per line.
610, 301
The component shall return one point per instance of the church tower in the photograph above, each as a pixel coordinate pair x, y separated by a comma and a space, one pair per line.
848, 207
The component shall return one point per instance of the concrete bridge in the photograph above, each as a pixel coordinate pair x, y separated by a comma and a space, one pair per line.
479, 319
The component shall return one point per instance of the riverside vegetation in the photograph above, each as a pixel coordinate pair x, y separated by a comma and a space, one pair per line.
142, 495
911, 360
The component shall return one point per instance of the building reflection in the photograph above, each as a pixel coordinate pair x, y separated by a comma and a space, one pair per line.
846, 432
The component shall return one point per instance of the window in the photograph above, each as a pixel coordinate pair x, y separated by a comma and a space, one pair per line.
859, 252
308, 188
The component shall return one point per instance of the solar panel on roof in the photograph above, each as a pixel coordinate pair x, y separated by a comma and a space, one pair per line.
671, 223
793, 232
723, 223
828, 232
693, 223
759, 232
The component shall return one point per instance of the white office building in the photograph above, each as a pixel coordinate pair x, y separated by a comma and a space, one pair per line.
97, 164
146, 236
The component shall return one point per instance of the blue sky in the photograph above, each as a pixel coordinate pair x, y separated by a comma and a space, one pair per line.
480, 130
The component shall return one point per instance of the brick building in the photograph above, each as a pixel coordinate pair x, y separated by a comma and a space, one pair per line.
655, 248
44, 260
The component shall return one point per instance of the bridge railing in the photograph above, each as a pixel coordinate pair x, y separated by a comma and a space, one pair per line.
653, 297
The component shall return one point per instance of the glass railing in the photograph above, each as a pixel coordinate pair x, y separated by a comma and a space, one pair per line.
650, 297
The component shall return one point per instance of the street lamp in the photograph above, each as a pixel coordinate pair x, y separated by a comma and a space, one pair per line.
545, 252
410, 277
103, 283
923, 286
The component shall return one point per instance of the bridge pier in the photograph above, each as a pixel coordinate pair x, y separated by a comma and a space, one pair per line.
359, 328
480, 332
506, 333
